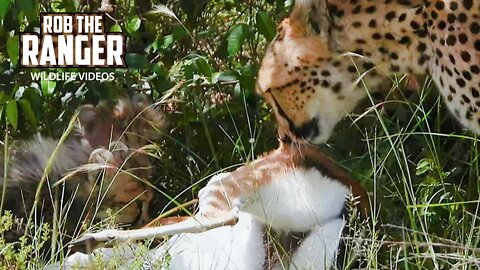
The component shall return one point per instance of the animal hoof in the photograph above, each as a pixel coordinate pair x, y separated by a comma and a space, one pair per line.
85, 244
91, 241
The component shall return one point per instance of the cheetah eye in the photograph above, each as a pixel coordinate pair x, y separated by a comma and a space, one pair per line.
315, 26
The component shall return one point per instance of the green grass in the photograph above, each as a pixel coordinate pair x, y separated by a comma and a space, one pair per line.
423, 181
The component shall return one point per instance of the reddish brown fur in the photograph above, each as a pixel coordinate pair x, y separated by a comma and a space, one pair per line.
244, 181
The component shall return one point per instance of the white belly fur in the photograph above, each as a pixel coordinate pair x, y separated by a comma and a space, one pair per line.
298, 200
302, 200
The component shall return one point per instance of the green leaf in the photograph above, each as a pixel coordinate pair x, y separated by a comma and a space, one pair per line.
116, 28
227, 76
249, 70
3, 97
237, 90
189, 69
247, 79
48, 87
133, 25
135, 60
160, 70
288, 4
34, 97
156, 44
179, 33
423, 166
12, 49
167, 41
266, 25
203, 67
64, 6
236, 38
28, 111
4, 6
28, 6
12, 113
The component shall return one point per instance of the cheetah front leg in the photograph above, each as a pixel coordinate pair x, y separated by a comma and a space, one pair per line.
117, 185
107, 161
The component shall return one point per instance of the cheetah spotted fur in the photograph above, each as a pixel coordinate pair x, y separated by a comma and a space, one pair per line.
311, 79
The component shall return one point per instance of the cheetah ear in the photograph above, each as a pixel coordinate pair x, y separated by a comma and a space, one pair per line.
314, 15
123, 109
86, 115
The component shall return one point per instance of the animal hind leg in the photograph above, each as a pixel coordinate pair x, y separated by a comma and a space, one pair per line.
113, 237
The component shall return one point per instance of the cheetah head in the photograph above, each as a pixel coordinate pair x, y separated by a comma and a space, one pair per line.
134, 120
309, 87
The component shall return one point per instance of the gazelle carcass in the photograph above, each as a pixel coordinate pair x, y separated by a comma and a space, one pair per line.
293, 190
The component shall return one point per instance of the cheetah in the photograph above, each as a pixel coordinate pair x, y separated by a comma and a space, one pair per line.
326, 53
99, 166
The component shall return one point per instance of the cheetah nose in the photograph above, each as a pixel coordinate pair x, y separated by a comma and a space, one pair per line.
308, 129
